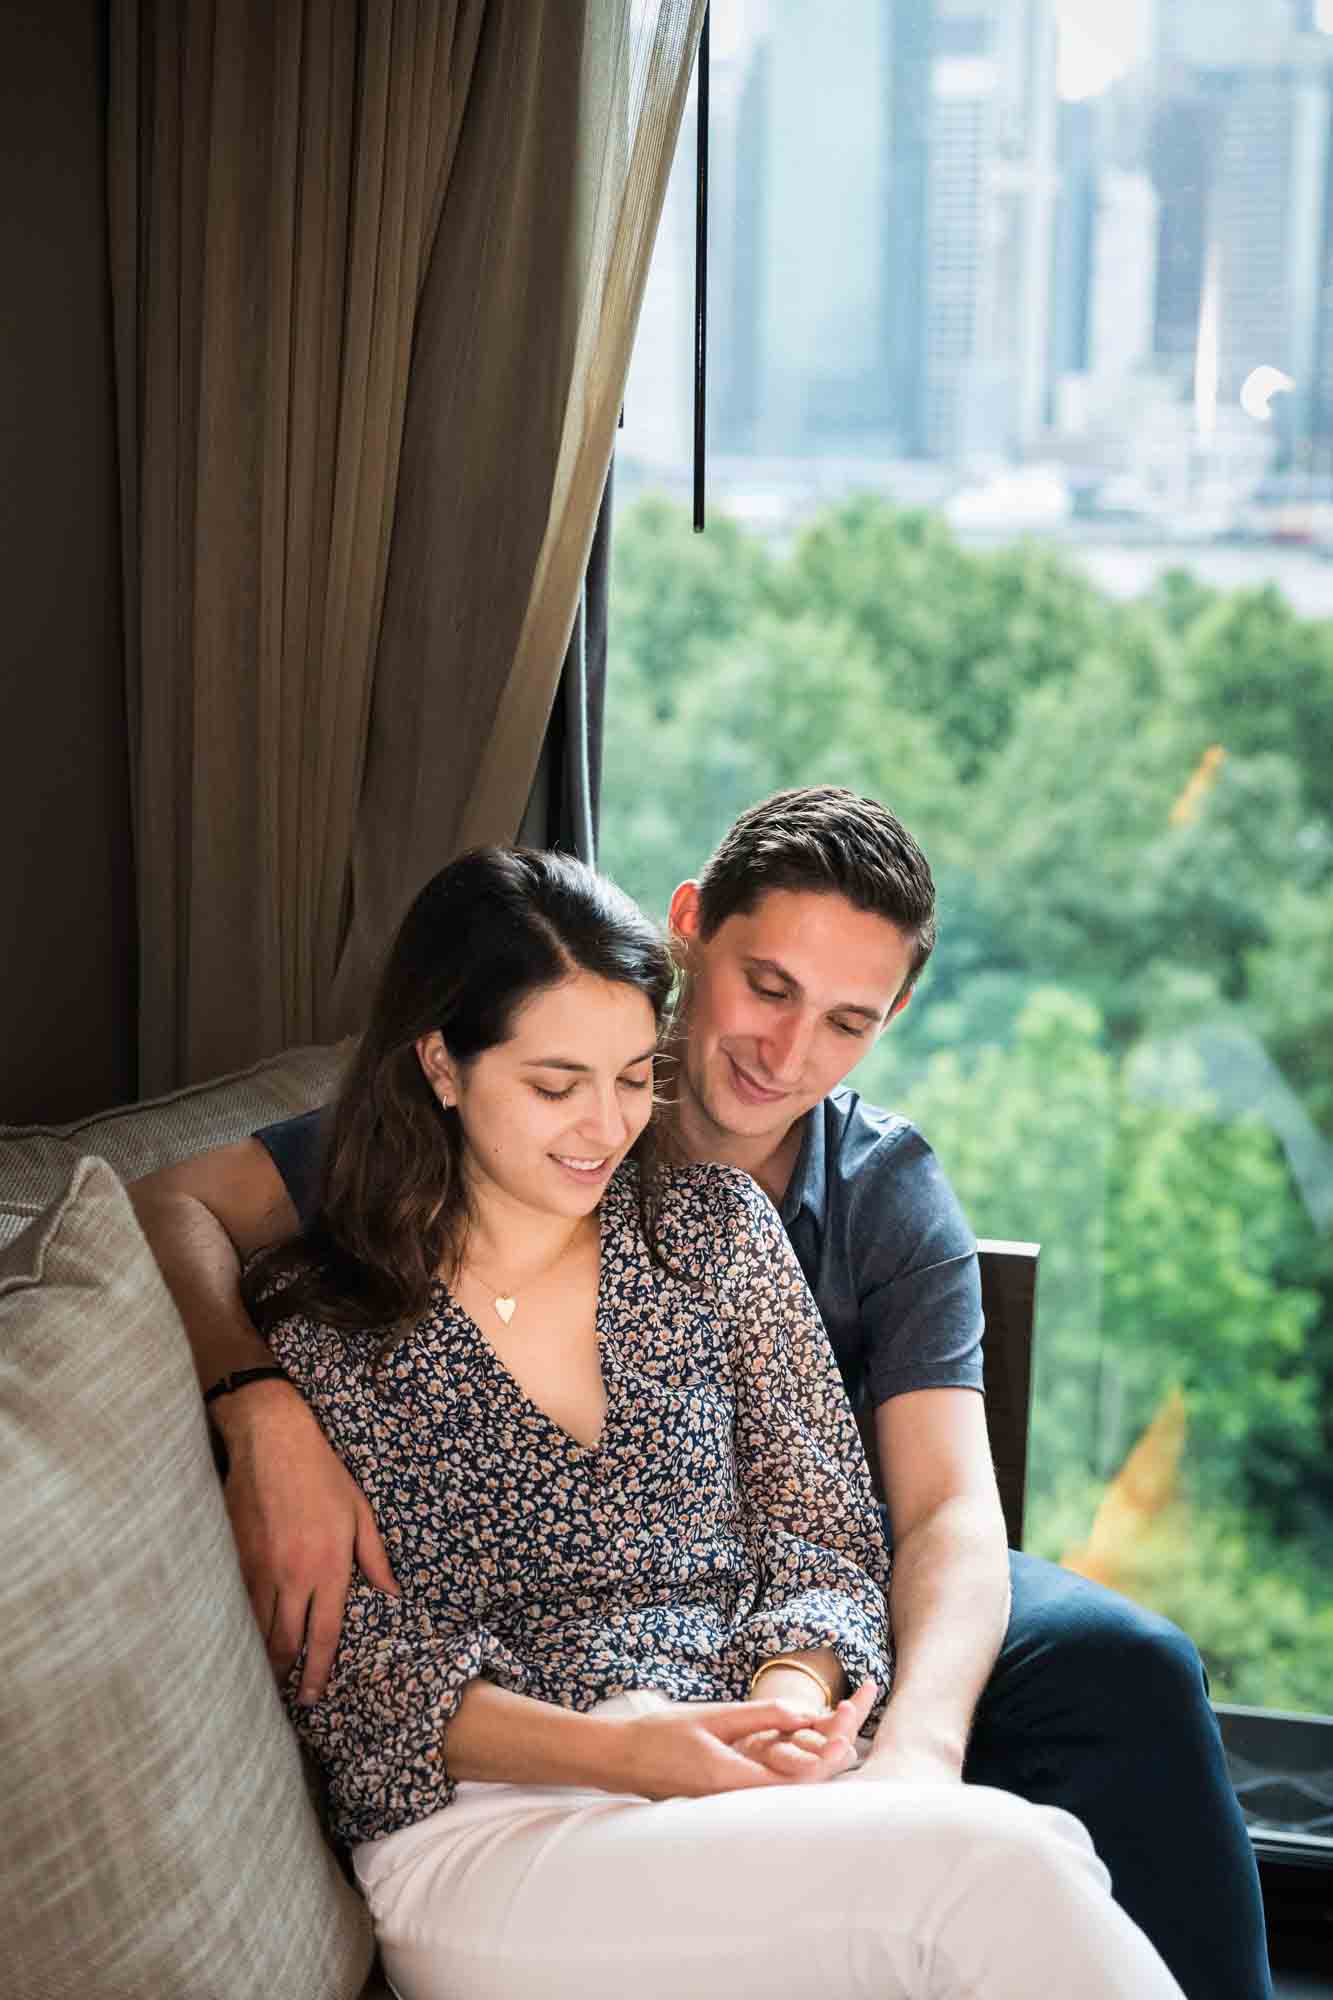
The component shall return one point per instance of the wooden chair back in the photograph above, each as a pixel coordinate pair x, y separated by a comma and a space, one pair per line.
1009, 1301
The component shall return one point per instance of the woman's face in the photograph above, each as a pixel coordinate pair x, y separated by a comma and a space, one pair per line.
549, 1115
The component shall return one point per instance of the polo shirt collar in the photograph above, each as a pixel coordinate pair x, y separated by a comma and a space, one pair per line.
809, 1180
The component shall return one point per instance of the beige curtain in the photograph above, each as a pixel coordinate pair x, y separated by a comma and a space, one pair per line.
375, 268
527, 322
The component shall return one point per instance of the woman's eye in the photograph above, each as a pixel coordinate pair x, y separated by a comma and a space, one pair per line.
554, 1096
636, 1082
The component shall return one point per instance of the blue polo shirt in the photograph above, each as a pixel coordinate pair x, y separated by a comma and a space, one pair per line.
877, 1230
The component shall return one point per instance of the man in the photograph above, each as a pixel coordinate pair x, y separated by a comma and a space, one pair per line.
801, 940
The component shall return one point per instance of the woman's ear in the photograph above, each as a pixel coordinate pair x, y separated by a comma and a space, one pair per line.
436, 1066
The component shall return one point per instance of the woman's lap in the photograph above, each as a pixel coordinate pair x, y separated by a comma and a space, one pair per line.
852, 1888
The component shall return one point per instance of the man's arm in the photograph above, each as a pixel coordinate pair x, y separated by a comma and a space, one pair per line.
299, 1518
203, 1218
949, 1599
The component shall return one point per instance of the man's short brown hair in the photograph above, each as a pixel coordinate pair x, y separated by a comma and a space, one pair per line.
824, 839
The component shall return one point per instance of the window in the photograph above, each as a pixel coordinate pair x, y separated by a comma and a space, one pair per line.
1021, 518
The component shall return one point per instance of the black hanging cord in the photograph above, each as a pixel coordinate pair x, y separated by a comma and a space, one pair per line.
701, 274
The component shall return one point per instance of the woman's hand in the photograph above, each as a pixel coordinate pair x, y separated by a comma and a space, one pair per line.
691, 1749
821, 1746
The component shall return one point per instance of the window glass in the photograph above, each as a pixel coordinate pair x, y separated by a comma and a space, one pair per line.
1020, 492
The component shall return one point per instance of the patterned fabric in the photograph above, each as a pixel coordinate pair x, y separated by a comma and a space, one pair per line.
724, 1515
156, 1838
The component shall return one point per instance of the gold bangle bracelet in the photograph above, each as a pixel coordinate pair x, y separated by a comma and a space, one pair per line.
796, 1667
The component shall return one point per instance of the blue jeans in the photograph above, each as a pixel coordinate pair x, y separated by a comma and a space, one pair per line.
1101, 1707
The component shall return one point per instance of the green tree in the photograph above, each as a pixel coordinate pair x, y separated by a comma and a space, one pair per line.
672, 589
955, 636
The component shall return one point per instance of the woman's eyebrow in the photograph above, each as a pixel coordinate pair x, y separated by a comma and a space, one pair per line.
579, 1068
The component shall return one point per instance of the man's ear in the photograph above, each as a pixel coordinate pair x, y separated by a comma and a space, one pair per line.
436, 1067
899, 1004
683, 912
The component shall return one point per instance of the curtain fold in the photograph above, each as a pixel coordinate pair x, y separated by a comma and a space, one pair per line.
375, 266
548, 252
278, 170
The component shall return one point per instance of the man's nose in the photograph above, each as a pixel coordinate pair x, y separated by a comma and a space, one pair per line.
787, 1047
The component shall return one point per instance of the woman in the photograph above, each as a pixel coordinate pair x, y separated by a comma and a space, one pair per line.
603, 1739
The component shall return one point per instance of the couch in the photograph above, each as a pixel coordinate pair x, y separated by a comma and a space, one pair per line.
160, 1839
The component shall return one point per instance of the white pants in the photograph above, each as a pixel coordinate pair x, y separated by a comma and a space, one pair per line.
845, 1890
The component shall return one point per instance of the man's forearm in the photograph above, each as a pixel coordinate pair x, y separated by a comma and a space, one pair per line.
949, 1607
202, 1270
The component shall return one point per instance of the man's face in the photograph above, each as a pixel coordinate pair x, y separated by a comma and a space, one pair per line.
783, 1001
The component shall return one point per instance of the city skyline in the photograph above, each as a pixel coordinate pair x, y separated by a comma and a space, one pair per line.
931, 239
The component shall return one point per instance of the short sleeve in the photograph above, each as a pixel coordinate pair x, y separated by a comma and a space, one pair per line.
808, 1507
917, 1278
296, 1147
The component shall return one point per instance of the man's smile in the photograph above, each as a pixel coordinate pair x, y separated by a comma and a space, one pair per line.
749, 1090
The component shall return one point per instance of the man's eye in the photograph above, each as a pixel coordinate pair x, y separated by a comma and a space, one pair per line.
767, 992
845, 1028
554, 1095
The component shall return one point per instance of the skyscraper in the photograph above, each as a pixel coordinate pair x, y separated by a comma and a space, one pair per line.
1241, 162
992, 213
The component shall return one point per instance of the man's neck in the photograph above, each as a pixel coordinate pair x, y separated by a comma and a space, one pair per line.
769, 1161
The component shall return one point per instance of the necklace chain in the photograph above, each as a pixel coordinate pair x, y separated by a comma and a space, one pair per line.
506, 1303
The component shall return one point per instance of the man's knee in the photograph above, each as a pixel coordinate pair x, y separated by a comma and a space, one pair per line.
1079, 1639
1141, 1652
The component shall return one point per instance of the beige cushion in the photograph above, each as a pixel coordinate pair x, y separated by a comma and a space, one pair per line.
36, 1160
156, 1839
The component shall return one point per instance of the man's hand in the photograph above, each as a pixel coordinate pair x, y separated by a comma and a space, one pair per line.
301, 1522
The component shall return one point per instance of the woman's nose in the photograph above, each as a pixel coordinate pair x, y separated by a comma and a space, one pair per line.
605, 1125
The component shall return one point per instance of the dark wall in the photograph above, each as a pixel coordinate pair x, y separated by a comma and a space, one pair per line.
65, 882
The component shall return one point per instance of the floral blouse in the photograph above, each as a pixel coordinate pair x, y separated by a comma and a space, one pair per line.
725, 1513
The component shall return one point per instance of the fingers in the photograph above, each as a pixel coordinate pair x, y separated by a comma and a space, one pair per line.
733, 1773
286, 1634
371, 1557
327, 1605
321, 1642
729, 1720
802, 1755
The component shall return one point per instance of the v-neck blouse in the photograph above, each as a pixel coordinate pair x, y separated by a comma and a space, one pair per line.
724, 1514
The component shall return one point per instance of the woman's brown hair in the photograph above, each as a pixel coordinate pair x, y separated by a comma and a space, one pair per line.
487, 933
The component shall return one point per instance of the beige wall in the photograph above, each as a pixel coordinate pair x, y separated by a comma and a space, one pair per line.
65, 904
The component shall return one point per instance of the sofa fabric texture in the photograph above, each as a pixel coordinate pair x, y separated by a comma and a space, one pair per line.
36, 1161
157, 1842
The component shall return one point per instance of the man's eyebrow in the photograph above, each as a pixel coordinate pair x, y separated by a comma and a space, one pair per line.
776, 971
578, 1068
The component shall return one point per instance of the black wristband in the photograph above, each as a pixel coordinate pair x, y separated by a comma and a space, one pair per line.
241, 1377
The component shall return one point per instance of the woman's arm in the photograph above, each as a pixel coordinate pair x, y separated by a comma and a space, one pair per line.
806, 1497
685, 1750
